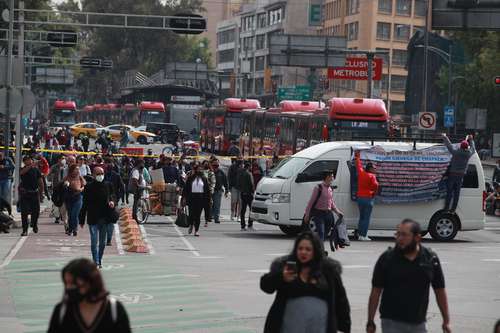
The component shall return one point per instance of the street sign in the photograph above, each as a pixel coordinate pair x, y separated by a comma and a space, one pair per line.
15, 101
297, 93
449, 116
315, 14
427, 120
356, 68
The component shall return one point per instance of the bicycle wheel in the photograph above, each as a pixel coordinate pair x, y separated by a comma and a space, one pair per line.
142, 211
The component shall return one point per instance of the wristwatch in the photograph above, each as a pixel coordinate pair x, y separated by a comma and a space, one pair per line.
371, 324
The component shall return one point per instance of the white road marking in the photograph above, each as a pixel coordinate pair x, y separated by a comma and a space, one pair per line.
13, 252
65, 249
207, 257
186, 242
484, 247
275, 254
146, 240
491, 260
118, 240
173, 275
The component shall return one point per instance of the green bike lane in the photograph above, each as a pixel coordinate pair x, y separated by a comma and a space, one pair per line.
158, 298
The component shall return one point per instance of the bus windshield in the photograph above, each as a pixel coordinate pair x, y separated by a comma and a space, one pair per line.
64, 116
232, 126
152, 117
290, 167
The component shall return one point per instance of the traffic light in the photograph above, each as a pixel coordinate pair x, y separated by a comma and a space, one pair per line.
463, 3
497, 81
62, 38
188, 21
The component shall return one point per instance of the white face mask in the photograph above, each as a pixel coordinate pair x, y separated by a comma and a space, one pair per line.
99, 178
63, 162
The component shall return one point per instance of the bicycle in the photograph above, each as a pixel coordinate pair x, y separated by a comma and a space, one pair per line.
143, 209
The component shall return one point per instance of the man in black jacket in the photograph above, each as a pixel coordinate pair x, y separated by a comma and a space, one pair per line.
232, 175
246, 187
114, 178
221, 186
98, 205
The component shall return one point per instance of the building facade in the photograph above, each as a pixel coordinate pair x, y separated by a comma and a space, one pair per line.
243, 47
382, 25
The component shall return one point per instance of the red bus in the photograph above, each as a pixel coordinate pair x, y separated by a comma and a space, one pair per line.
221, 124
84, 115
352, 118
152, 112
291, 127
130, 114
63, 113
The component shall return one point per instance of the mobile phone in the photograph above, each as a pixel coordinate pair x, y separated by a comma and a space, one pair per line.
291, 265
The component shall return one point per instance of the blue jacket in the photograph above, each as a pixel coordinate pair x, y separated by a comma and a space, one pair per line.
170, 174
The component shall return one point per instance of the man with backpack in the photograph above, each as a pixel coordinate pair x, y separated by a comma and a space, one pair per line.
403, 276
321, 205
56, 175
139, 179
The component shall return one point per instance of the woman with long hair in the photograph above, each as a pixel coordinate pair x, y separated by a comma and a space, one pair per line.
310, 295
86, 305
74, 184
196, 195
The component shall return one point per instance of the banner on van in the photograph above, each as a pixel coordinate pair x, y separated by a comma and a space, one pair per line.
409, 176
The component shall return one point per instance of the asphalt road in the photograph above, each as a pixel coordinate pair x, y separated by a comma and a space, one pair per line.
228, 263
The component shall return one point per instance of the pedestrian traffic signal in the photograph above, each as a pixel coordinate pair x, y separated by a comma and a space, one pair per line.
191, 24
88, 62
497, 81
62, 38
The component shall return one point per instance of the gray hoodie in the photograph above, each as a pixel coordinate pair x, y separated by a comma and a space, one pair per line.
459, 157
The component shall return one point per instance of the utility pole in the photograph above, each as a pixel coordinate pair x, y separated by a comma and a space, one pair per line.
370, 56
19, 129
426, 55
10, 47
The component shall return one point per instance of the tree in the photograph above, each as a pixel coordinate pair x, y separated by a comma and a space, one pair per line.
475, 84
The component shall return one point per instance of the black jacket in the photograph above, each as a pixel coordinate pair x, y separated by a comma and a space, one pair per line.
220, 180
96, 198
338, 304
186, 192
245, 182
116, 181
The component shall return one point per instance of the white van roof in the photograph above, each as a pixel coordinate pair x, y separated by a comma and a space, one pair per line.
320, 149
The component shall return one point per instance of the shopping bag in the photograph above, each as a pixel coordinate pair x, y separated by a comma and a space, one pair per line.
182, 218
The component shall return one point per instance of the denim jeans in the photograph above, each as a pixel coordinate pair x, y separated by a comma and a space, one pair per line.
217, 198
323, 221
365, 211
393, 326
110, 228
5, 188
453, 186
74, 208
97, 241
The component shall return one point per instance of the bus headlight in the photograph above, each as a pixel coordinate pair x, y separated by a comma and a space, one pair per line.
281, 198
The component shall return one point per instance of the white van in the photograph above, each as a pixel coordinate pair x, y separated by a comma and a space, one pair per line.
281, 199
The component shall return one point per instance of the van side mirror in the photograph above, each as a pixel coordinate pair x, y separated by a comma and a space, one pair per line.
302, 177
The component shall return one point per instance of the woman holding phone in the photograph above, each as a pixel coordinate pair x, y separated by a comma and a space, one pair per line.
310, 295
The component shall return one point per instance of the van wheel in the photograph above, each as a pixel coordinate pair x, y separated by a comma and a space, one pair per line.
290, 230
444, 226
164, 139
142, 140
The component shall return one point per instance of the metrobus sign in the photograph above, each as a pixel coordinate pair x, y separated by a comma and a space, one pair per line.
356, 69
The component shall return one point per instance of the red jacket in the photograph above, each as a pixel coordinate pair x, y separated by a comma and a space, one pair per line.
43, 166
367, 182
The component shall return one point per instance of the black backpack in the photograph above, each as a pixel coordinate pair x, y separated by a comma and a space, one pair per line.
58, 194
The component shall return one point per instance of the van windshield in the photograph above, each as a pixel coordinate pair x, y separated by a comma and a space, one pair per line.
290, 167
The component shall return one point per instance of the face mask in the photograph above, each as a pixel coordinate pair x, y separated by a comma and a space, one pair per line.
99, 178
63, 162
74, 296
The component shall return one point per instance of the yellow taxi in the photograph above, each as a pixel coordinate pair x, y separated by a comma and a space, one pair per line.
90, 129
137, 135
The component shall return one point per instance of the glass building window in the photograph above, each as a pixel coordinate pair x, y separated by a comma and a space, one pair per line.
261, 20
401, 31
420, 8
399, 57
225, 56
385, 6
403, 7
385, 57
398, 83
260, 42
383, 31
260, 63
352, 31
275, 16
352, 7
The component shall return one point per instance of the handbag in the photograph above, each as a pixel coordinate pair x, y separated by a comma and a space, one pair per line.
182, 218
338, 235
112, 215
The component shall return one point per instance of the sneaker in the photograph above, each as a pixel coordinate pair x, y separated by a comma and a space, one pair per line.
190, 230
108, 243
232, 218
100, 266
217, 222
243, 229
206, 224
75, 233
251, 228
35, 229
25, 233
364, 238
56, 221
196, 234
